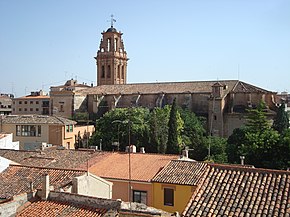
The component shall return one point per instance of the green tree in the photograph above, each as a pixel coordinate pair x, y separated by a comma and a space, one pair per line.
173, 130
281, 121
257, 121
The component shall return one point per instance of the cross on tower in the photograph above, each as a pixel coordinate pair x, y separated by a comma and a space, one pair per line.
112, 20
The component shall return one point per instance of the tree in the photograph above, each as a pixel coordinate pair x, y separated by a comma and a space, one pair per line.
173, 134
281, 121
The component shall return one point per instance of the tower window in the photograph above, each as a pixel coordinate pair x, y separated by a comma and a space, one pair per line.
109, 44
115, 44
103, 72
109, 71
123, 72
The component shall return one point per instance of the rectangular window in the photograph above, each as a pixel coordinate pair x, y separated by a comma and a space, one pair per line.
168, 197
140, 196
37, 102
27, 130
20, 109
31, 102
25, 109
70, 128
37, 109
38, 130
31, 109
25, 102
20, 102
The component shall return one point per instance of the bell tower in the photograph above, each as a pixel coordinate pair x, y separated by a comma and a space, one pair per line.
111, 59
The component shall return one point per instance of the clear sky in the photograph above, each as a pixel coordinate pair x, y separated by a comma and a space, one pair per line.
45, 43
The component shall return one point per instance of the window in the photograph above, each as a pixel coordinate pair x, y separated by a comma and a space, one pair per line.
25, 109
115, 44
168, 197
69, 128
31, 102
20, 102
37, 102
109, 71
103, 72
25, 102
140, 196
31, 109
28, 130
61, 108
109, 44
37, 109
20, 109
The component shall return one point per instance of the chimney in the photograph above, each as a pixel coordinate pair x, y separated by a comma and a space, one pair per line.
185, 153
45, 187
242, 160
142, 150
31, 186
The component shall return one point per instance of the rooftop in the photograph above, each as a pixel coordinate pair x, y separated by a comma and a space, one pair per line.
143, 166
52, 158
241, 191
181, 172
16, 179
36, 119
173, 87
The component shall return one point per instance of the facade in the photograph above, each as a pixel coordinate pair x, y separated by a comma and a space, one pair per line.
175, 183
65, 101
32, 129
6, 104
35, 103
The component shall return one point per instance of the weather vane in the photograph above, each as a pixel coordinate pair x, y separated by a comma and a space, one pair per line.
112, 20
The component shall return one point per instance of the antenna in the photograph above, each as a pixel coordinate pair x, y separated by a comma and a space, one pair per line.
238, 71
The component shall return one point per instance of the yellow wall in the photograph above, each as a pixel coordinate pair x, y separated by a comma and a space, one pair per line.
182, 194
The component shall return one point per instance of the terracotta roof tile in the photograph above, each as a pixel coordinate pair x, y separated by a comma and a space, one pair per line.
16, 179
52, 158
143, 166
181, 172
171, 87
36, 119
58, 208
241, 191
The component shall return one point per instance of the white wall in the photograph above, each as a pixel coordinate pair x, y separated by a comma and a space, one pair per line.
4, 163
91, 185
7, 142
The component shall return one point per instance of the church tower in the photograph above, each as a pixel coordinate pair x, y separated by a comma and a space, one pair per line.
111, 58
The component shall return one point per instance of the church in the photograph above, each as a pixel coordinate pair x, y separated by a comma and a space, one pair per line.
224, 103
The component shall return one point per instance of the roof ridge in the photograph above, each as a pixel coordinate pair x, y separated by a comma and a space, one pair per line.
47, 168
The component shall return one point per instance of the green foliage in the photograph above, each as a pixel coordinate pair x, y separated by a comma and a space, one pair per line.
174, 129
217, 149
281, 121
257, 121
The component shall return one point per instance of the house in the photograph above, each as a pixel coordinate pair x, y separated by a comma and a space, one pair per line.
174, 184
35, 103
65, 101
130, 173
6, 103
233, 190
34, 129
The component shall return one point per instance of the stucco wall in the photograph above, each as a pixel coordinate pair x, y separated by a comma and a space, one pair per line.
182, 194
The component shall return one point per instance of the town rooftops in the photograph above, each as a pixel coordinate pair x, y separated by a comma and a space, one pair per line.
181, 172
143, 166
52, 158
36, 119
173, 87
16, 179
228, 190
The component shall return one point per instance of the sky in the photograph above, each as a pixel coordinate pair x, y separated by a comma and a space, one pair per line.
45, 43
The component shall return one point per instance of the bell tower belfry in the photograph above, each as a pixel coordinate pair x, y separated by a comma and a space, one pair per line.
111, 59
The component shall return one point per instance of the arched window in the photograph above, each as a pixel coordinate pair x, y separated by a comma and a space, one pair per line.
109, 44
103, 72
115, 44
102, 50
123, 72
119, 72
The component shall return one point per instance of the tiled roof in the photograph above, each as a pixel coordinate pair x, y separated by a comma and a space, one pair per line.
143, 166
58, 208
181, 172
241, 191
36, 119
52, 158
172, 87
32, 97
16, 179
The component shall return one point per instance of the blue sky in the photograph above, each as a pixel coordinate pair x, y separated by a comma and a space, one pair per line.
44, 43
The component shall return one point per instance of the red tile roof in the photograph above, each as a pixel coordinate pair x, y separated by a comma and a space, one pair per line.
16, 179
241, 191
181, 172
143, 166
58, 208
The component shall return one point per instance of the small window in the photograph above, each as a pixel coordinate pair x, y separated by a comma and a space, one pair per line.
13, 102
25, 109
168, 197
31, 102
103, 72
37, 109
25, 102
140, 197
36, 102
20, 109
31, 109
215, 117
20, 102
61, 108
109, 71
